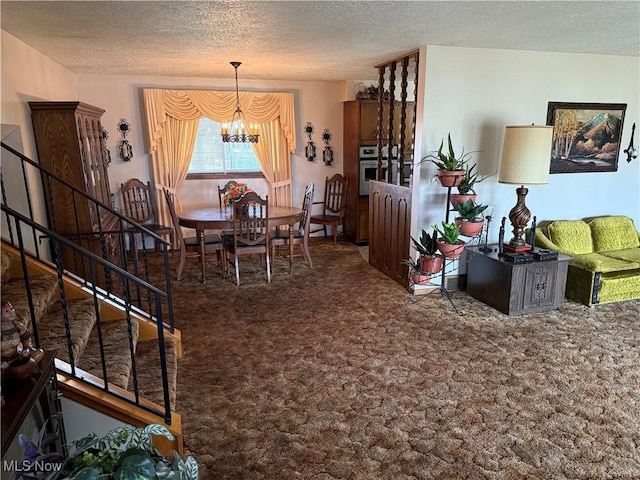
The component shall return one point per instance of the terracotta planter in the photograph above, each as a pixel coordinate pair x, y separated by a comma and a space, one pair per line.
461, 198
450, 251
450, 178
420, 278
469, 229
431, 263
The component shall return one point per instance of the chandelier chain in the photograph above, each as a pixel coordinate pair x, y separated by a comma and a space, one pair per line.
245, 133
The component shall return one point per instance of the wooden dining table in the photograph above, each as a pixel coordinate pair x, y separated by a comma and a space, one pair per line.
221, 218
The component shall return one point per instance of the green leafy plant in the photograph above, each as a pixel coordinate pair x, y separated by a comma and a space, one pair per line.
414, 265
125, 452
448, 160
449, 232
128, 452
470, 211
427, 244
470, 179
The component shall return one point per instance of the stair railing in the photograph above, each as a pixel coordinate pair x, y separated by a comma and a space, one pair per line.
23, 227
111, 230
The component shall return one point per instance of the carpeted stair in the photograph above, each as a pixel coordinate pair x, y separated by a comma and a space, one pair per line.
117, 338
147, 361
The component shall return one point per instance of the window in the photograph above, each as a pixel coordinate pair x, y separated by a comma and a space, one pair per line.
211, 155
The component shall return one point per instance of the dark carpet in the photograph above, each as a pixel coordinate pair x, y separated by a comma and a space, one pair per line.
336, 372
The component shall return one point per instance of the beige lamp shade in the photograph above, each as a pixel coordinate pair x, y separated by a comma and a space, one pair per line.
526, 154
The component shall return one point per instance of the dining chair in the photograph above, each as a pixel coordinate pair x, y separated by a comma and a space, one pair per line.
212, 242
225, 189
300, 235
138, 203
221, 192
333, 206
250, 231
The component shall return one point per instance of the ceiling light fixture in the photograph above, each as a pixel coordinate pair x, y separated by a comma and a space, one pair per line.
239, 130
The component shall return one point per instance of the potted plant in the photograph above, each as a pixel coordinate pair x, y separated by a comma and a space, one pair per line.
417, 276
470, 219
427, 247
125, 452
450, 167
450, 246
465, 188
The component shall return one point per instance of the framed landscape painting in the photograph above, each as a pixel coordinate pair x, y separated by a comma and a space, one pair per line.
586, 136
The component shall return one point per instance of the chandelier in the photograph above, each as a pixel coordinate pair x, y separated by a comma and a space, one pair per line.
239, 130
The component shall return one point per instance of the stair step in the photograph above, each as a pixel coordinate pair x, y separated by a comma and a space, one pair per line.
82, 318
84, 337
115, 338
148, 368
44, 289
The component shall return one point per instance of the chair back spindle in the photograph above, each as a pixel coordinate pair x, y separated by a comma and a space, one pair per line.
138, 200
307, 201
250, 230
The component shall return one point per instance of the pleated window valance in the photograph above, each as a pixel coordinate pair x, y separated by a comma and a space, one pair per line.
172, 124
259, 107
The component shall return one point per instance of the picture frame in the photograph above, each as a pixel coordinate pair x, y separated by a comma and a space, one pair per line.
586, 136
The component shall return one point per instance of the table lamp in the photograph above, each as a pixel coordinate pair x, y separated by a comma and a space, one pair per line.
526, 157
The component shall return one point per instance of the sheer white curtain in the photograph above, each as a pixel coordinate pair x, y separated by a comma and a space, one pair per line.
172, 121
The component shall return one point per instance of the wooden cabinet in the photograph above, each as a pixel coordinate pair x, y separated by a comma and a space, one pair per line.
368, 118
69, 141
360, 123
368, 129
516, 288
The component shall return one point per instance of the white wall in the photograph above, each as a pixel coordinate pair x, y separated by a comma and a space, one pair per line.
472, 93
475, 93
80, 421
121, 97
27, 75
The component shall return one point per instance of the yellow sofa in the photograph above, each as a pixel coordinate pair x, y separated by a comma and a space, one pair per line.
606, 257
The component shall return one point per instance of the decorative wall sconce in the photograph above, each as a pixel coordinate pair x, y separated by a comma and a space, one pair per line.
107, 154
631, 151
310, 149
327, 154
126, 150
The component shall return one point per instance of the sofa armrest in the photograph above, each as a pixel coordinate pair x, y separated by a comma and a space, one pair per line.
542, 241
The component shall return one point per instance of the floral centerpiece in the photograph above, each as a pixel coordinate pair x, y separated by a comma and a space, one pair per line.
234, 193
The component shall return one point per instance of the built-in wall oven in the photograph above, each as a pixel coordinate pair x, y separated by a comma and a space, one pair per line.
369, 165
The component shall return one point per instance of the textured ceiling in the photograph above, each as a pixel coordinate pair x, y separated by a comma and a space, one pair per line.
305, 40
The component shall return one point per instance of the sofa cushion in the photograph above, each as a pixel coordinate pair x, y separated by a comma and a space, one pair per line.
613, 233
628, 254
571, 235
597, 262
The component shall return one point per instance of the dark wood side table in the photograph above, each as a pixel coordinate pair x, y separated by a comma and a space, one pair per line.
515, 288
